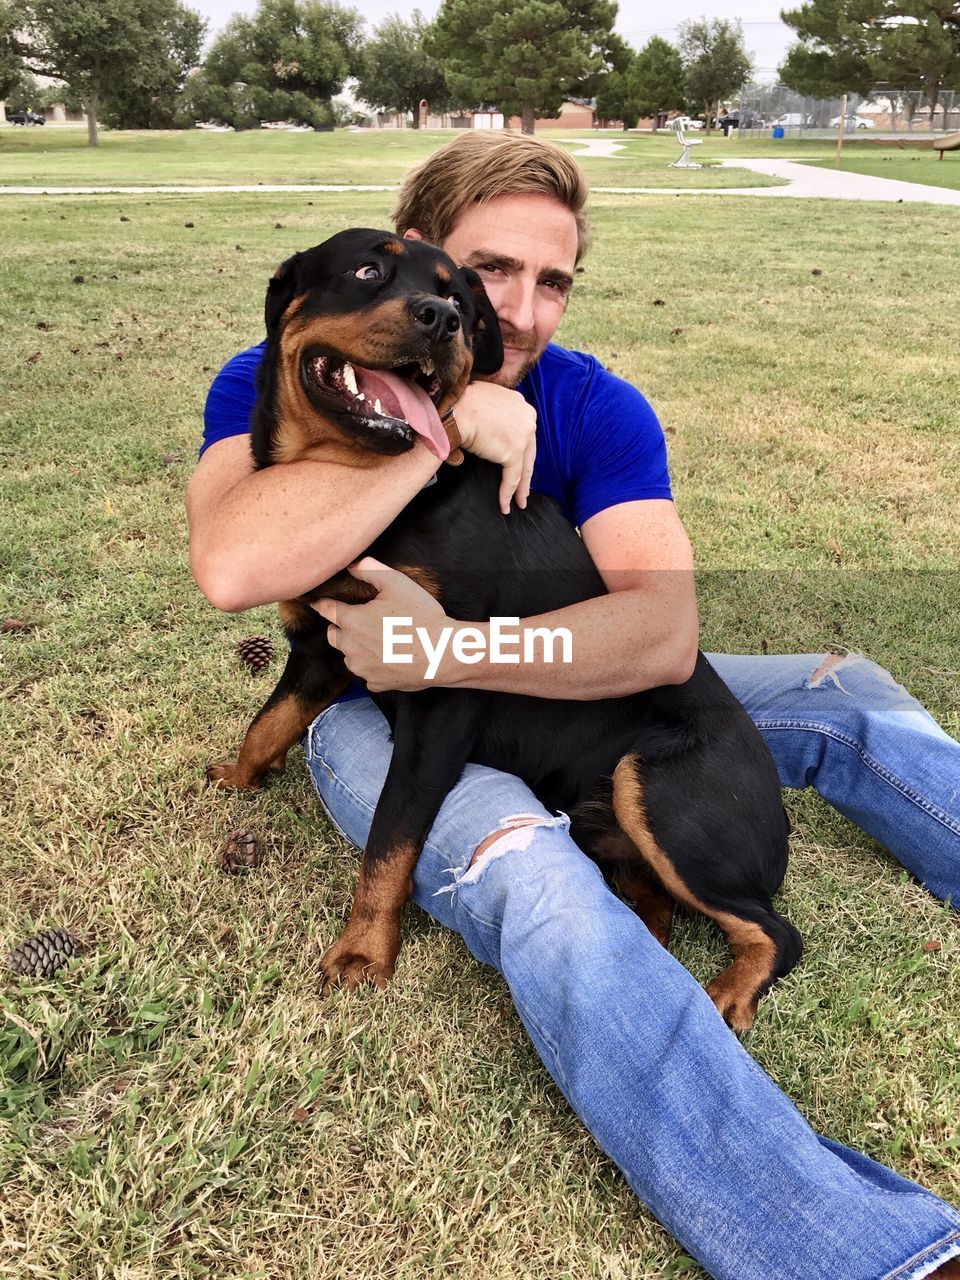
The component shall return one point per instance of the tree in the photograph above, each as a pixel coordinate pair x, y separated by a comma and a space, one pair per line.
397, 70
524, 56
11, 63
284, 62
837, 39
155, 102
656, 79
715, 62
98, 47
848, 46
613, 98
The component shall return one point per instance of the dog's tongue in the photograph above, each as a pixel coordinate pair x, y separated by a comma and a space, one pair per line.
402, 399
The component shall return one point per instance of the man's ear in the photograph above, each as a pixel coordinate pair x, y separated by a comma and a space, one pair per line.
487, 343
280, 293
412, 233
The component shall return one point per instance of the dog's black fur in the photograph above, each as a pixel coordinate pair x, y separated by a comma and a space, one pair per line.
671, 791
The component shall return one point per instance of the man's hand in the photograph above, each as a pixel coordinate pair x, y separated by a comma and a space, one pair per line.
497, 424
357, 629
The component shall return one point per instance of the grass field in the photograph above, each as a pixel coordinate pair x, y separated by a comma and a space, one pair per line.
178, 1103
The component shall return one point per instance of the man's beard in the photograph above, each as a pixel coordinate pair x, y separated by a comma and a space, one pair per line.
525, 342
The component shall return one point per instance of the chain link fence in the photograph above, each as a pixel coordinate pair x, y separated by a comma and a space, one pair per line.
885, 112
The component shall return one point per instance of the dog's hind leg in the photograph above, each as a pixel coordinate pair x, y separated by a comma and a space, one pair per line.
765, 946
433, 736
313, 677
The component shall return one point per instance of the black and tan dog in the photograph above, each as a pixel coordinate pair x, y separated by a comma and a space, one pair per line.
672, 792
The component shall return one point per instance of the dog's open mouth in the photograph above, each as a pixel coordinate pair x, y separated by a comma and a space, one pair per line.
397, 404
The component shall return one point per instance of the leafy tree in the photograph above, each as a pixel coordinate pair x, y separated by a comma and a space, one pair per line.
613, 98
157, 104
848, 46
25, 94
524, 56
715, 62
837, 39
11, 64
284, 62
397, 70
98, 47
656, 79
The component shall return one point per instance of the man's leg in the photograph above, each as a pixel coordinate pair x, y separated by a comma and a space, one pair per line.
704, 1138
845, 727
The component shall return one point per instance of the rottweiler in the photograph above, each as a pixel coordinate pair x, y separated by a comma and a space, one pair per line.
371, 340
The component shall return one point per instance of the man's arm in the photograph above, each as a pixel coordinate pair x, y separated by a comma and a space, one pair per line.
261, 536
644, 634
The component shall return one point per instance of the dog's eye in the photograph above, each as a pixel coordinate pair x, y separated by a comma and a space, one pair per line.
369, 271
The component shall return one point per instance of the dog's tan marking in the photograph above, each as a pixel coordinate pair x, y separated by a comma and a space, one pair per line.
395, 247
735, 990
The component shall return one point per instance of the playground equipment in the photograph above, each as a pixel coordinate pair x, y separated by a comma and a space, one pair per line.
685, 144
949, 142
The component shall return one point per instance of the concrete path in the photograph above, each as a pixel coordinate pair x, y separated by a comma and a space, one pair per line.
595, 148
811, 181
802, 182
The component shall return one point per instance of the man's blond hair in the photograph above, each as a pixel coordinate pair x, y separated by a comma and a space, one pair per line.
478, 167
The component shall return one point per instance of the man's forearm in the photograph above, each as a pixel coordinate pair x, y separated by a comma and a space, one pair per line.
621, 643
282, 531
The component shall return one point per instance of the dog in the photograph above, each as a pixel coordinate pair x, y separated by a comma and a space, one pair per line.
371, 340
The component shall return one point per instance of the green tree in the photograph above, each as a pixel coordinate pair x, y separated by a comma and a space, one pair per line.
838, 40
11, 63
524, 56
97, 47
25, 94
284, 62
715, 62
656, 79
613, 98
923, 51
397, 71
156, 102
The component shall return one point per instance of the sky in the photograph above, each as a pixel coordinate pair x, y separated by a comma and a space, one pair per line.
765, 35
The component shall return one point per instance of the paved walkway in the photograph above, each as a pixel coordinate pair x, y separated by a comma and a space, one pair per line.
802, 181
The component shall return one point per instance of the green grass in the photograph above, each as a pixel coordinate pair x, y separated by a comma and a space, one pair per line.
904, 164
62, 158
179, 1103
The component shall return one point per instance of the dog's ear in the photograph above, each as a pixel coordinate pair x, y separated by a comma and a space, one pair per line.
486, 341
280, 293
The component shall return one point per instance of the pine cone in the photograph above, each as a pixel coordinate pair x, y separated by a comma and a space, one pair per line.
42, 955
256, 651
239, 852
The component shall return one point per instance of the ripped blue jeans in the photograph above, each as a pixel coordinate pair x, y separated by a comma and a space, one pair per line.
702, 1135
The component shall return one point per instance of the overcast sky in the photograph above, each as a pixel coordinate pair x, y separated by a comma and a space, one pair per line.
765, 35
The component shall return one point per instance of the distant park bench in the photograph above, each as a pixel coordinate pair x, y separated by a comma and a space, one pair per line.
685, 144
949, 142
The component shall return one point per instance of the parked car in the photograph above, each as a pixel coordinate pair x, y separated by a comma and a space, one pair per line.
791, 120
688, 122
25, 117
854, 122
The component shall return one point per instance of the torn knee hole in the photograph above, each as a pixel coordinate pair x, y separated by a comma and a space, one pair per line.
505, 837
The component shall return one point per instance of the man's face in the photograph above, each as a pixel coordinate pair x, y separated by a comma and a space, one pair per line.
524, 249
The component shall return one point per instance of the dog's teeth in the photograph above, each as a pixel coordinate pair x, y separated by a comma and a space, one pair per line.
377, 406
427, 367
361, 396
350, 378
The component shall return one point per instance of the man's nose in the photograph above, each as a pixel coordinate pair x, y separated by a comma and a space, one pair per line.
515, 304
439, 319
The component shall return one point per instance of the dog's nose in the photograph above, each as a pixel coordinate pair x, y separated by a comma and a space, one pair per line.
440, 320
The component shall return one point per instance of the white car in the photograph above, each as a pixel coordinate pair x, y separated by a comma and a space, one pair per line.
854, 122
688, 123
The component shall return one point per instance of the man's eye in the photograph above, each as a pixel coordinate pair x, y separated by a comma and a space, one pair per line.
369, 271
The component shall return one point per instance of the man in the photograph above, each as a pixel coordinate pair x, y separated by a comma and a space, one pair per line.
704, 1138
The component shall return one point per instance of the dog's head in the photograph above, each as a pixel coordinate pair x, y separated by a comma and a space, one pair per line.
372, 338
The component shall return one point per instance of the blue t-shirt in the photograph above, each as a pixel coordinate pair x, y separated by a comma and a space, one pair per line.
598, 440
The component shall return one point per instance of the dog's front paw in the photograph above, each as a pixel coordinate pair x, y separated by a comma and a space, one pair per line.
225, 774
359, 957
